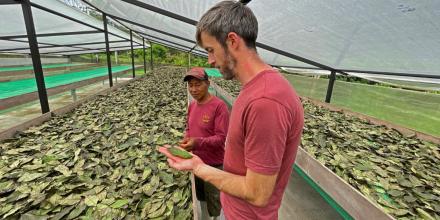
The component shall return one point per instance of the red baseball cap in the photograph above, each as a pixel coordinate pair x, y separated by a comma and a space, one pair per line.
196, 72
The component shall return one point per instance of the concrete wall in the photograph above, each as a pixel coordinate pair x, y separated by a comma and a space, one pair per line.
28, 61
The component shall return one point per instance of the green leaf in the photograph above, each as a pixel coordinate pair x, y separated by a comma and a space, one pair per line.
119, 203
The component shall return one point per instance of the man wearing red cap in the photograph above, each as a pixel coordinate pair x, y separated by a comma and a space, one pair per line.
206, 129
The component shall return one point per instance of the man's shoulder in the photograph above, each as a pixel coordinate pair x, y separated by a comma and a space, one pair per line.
191, 103
218, 102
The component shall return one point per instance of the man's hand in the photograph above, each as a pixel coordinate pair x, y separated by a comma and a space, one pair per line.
187, 143
180, 163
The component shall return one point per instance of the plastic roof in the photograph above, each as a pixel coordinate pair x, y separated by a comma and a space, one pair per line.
415, 82
397, 36
85, 37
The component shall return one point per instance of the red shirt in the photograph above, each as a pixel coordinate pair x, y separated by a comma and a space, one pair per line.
208, 123
267, 125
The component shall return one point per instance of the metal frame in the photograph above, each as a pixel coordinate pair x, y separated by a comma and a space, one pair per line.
51, 34
270, 48
73, 19
170, 42
120, 20
50, 45
89, 50
143, 49
331, 83
261, 45
177, 48
132, 53
346, 71
9, 2
44, 44
96, 29
107, 49
151, 56
36, 60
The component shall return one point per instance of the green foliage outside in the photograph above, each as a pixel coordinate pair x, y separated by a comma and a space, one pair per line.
413, 109
161, 56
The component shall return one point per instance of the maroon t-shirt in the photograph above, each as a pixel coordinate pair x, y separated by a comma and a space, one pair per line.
208, 123
267, 121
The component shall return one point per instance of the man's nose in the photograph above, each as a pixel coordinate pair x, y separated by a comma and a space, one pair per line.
211, 60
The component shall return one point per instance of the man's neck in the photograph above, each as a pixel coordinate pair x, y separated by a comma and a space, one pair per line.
205, 99
249, 67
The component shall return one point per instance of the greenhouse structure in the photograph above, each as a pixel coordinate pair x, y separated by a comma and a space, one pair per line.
90, 88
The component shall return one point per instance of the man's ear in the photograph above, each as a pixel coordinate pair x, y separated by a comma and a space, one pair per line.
232, 40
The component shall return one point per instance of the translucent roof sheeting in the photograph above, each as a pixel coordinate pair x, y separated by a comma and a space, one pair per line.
404, 81
414, 82
56, 34
11, 20
397, 36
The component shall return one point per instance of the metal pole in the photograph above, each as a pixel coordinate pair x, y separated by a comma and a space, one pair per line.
73, 94
132, 54
151, 55
145, 60
189, 61
331, 83
107, 50
36, 60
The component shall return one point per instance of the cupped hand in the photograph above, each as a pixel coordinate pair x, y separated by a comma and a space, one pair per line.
187, 143
180, 163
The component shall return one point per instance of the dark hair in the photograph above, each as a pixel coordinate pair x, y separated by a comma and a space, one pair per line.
226, 17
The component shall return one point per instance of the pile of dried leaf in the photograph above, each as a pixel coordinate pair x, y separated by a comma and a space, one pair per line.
401, 174
100, 161
231, 86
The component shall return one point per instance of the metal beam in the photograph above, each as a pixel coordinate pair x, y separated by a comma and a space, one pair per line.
107, 50
45, 44
66, 45
102, 50
193, 48
189, 60
51, 34
36, 60
9, 2
132, 53
331, 83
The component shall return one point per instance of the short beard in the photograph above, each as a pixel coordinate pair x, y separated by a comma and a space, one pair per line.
228, 73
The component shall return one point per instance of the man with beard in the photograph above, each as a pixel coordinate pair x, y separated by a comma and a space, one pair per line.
265, 124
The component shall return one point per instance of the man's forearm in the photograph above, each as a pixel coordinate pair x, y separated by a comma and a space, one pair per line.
229, 183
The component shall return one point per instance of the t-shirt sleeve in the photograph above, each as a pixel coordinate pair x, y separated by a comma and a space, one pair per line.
266, 125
